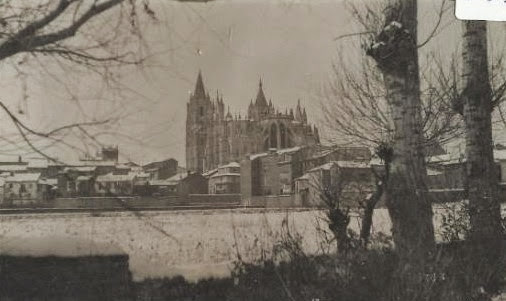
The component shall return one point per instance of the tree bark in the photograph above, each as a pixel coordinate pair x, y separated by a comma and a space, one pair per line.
482, 176
369, 205
407, 200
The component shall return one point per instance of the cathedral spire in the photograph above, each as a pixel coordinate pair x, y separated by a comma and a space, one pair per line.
298, 112
260, 100
199, 87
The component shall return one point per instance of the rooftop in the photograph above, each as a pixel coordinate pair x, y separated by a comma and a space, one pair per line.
38, 164
13, 168
234, 174
23, 177
115, 178
80, 169
52, 182
231, 164
353, 164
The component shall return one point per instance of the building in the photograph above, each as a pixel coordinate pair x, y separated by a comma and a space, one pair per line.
161, 170
181, 185
76, 181
347, 181
23, 186
106, 153
215, 138
226, 179
110, 153
274, 172
114, 185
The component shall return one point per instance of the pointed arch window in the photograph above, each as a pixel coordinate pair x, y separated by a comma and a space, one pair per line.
282, 133
274, 136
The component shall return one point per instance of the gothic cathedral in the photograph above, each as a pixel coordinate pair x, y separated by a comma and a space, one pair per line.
214, 138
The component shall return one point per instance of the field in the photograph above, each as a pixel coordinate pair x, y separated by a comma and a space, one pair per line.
195, 244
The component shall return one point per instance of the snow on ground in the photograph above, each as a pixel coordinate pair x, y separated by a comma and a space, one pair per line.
195, 244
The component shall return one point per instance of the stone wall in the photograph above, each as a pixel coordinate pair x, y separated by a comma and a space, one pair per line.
131, 202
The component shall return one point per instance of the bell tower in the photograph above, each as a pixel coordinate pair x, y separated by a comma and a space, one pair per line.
198, 119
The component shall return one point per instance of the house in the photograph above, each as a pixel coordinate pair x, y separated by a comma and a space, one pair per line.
38, 166
141, 183
122, 169
162, 187
15, 168
162, 170
191, 183
49, 188
76, 181
23, 186
106, 153
115, 185
347, 181
180, 185
226, 179
274, 172
446, 171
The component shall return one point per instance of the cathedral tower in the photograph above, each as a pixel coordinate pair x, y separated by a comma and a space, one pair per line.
199, 114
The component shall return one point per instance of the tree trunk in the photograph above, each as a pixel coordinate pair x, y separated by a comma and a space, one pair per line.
407, 200
482, 177
369, 205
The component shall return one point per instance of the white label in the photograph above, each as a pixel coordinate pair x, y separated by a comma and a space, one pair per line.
491, 10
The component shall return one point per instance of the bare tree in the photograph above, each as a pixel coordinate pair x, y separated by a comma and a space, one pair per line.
395, 51
95, 35
482, 178
387, 106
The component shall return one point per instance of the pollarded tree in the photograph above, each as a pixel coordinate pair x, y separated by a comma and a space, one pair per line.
477, 103
395, 51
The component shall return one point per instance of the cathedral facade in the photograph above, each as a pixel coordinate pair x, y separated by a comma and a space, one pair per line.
215, 137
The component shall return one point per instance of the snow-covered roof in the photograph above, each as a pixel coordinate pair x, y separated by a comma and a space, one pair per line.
13, 168
433, 172
234, 174
322, 153
341, 164
83, 178
23, 177
37, 164
326, 166
288, 150
231, 164
52, 182
80, 169
210, 172
122, 166
91, 163
447, 159
115, 178
353, 164
256, 156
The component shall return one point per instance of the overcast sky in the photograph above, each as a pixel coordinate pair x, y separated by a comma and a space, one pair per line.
289, 44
